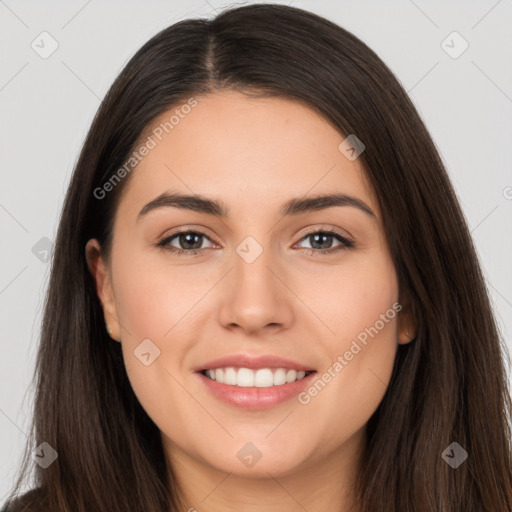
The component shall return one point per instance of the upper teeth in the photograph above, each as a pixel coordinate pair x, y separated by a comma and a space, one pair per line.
262, 378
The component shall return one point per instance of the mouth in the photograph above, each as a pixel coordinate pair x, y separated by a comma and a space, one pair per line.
255, 389
254, 382
259, 378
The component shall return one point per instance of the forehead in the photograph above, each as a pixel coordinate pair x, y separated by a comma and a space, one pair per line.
252, 152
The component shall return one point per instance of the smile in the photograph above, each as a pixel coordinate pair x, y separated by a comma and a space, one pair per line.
260, 378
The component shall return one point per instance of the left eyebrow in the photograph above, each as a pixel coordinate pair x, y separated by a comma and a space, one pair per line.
310, 204
295, 206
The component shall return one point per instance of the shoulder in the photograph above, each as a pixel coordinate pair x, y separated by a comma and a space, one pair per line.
20, 503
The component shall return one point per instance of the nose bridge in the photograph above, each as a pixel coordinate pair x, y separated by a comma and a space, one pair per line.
253, 279
256, 297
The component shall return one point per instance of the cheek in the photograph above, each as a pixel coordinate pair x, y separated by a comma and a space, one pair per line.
360, 308
153, 297
351, 297
156, 302
367, 330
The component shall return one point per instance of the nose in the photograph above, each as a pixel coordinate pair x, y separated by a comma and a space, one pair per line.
255, 297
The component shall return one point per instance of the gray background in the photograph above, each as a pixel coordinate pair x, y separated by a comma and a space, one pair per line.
47, 105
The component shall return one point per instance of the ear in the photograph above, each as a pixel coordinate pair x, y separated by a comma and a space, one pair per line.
407, 324
101, 275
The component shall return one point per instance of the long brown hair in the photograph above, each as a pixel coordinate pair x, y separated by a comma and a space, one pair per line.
448, 385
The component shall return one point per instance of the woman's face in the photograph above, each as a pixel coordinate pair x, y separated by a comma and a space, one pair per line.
259, 288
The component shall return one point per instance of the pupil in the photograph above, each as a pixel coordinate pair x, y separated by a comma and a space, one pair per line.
320, 236
186, 239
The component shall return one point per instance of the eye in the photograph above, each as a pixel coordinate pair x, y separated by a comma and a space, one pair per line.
189, 242
321, 241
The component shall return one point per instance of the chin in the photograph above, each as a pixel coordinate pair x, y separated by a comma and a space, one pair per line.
258, 465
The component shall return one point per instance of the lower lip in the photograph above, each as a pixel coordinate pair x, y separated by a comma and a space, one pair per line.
254, 398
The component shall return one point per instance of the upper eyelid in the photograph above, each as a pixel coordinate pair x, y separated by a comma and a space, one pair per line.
334, 232
185, 231
328, 229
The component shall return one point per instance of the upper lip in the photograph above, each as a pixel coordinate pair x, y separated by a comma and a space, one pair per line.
252, 362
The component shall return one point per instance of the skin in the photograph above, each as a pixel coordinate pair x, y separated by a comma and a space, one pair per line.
254, 155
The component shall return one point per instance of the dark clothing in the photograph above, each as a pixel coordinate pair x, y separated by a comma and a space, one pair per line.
17, 503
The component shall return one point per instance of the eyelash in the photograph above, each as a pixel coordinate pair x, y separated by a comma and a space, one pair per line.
345, 242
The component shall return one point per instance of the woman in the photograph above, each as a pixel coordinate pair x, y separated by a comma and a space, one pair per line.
249, 371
